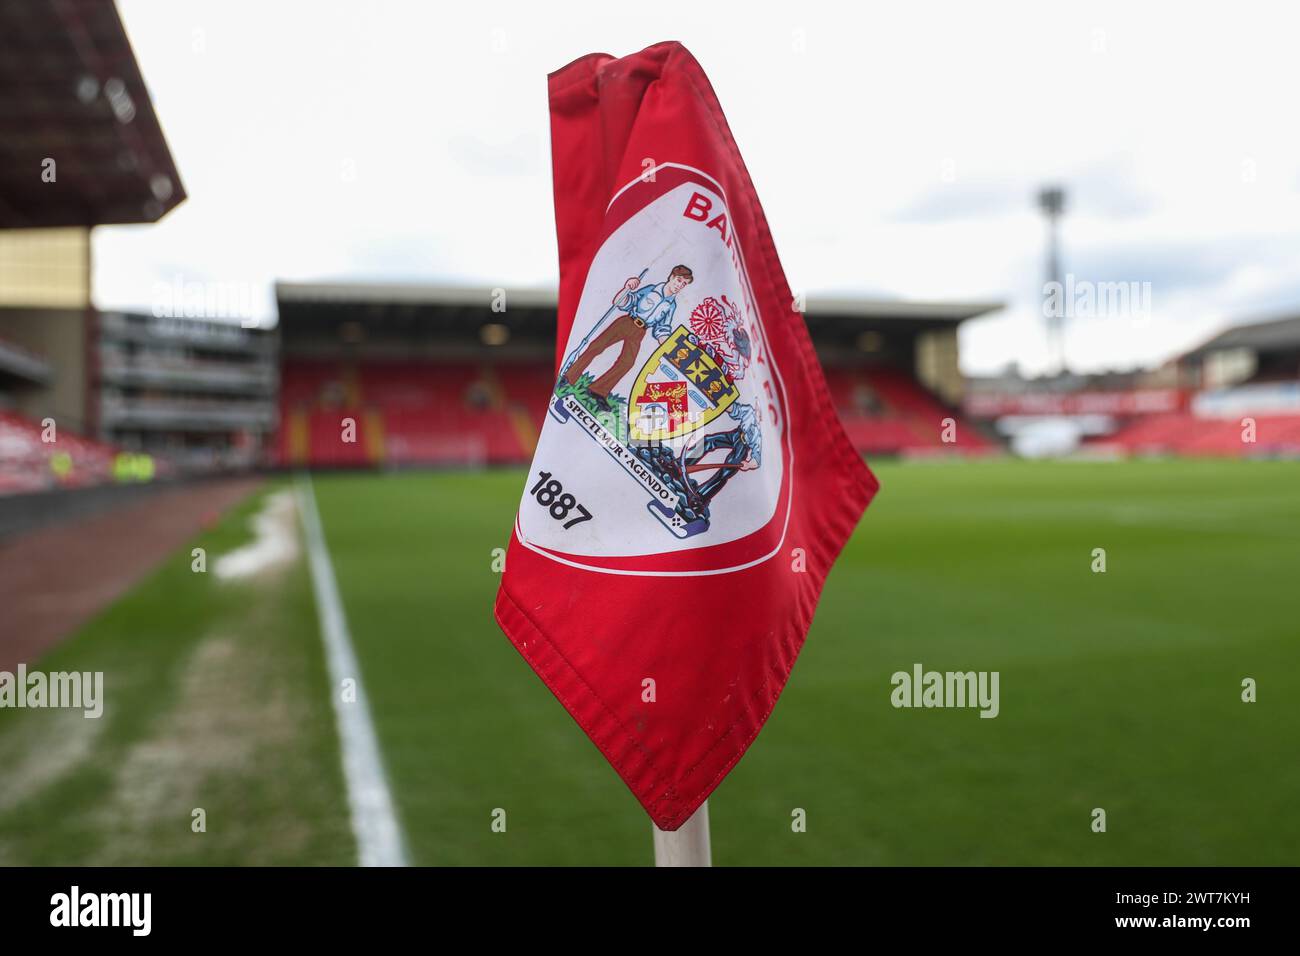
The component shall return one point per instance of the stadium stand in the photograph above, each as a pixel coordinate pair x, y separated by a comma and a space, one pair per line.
198, 393
405, 412
24, 364
887, 411
1188, 434
30, 463
1248, 403
1237, 395
78, 109
433, 375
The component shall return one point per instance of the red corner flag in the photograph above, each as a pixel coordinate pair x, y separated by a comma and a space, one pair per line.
692, 485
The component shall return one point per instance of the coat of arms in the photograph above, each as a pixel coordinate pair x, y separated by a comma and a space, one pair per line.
686, 383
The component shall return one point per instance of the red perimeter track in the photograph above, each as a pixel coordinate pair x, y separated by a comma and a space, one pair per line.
54, 579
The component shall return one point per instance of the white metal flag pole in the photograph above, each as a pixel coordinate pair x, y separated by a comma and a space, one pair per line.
688, 845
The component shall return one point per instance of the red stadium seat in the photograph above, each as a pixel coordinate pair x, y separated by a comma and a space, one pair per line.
411, 412
887, 411
1181, 433
27, 463
462, 413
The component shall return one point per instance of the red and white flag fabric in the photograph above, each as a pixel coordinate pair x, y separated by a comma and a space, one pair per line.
692, 484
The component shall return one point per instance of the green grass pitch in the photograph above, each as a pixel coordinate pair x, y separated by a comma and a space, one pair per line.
1119, 690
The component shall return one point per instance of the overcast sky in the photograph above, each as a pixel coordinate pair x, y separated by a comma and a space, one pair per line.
896, 149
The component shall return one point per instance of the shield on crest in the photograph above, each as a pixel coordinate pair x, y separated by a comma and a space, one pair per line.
680, 388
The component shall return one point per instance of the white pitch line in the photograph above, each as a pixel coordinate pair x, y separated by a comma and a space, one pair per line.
374, 819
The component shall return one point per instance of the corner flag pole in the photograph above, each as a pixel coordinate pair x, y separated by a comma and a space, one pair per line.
688, 845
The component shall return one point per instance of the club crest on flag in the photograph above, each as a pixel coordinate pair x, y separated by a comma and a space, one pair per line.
666, 425
680, 388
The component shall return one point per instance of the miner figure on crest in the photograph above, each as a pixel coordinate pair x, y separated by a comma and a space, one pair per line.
640, 308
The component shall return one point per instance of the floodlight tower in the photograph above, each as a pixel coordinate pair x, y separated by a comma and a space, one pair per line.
1051, 200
